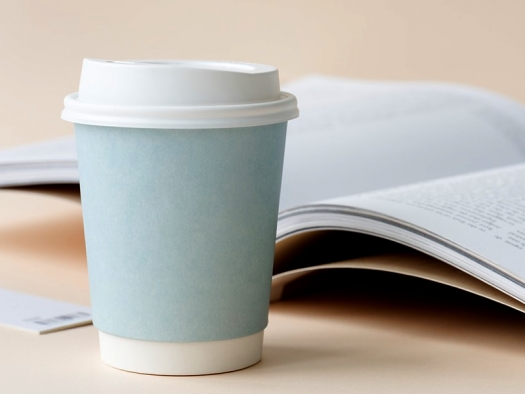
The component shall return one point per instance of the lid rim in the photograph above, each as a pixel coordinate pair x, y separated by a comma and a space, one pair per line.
181, 117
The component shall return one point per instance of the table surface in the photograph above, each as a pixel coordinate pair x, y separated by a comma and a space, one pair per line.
350, 342
365, 341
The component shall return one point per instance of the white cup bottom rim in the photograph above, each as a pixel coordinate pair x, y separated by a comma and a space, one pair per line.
176, 358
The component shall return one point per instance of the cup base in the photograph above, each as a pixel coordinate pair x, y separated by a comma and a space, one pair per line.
180, 358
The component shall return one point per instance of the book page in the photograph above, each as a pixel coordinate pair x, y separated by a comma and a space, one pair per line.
357, 136
409, 263
351, 137
59, 150
482, 213
42, 163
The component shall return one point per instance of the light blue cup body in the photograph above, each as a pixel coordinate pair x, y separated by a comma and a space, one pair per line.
180, 229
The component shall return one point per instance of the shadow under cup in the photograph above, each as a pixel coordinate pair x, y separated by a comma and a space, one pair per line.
180, 235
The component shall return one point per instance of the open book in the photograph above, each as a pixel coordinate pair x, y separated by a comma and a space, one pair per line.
415, 178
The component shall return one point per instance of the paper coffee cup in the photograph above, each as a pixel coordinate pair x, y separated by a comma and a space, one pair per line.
180, 170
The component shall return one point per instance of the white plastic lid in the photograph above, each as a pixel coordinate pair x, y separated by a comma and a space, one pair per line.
178, 95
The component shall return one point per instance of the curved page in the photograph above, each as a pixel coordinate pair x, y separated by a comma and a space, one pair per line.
412, 264
474, 222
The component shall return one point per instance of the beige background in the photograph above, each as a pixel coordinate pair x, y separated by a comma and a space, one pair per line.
43, 42
365, 343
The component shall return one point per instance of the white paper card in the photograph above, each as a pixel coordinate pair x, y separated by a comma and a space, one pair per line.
40, 315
